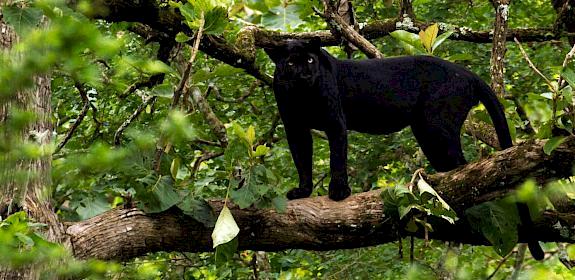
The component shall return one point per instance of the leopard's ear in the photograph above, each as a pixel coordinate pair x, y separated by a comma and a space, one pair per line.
274, 52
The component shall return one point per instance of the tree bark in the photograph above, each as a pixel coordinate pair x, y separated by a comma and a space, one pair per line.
498, 49
30, 194
321, 224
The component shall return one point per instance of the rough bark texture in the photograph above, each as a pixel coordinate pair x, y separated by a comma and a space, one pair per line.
321, 224
31, 194
348, 32
498, 49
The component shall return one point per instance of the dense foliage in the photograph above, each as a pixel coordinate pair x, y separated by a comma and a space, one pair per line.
126, 134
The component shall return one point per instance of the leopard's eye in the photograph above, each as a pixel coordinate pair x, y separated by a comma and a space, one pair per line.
310, 60
290, 63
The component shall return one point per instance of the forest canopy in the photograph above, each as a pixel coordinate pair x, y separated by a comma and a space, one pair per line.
141, 140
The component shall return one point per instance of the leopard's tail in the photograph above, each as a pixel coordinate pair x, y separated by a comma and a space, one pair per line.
496, 112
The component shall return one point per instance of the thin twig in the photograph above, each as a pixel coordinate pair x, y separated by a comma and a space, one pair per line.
206, 156
332, 18
150, 82
182, 87
268, 138
240, 99
500, 265
519, 261
555, 90
80, 117
533, 67
135, 114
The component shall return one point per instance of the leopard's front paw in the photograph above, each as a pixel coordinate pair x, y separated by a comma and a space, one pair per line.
300, 192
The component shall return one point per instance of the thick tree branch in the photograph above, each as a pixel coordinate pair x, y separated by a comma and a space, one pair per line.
321, 224
167, 21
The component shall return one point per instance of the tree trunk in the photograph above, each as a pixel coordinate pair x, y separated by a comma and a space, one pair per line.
31, 194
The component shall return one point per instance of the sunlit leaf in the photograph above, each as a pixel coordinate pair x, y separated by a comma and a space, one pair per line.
156, 67
282, 17
175, 167
261, 150
216, 21
182, 38
251, 135
424, 187
440, 39
428, 36
225, 229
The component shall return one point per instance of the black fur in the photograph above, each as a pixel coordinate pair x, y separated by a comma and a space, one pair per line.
377, 96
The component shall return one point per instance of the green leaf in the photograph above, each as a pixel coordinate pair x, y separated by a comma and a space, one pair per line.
226, 251
225, 229
156, 67
245, 196
188, 11
163, 90
282, 17
175, 167
235, 152
92, 206
261, 150
404, 210
280, 203
182, 38
552, 144
216, 21
198, 209
22, 19
159, 195
569, 76
251, 135
409, 41
497, 221
239, 131
424, 187
24, 239
440, 39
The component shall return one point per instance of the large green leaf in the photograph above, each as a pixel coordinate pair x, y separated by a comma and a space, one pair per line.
282, 17
198, 209
92, 206
216, 21
552, 144
22, 19
157, 194
498, 222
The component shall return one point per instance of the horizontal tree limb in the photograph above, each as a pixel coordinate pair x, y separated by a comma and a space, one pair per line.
168, 21
321, 224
